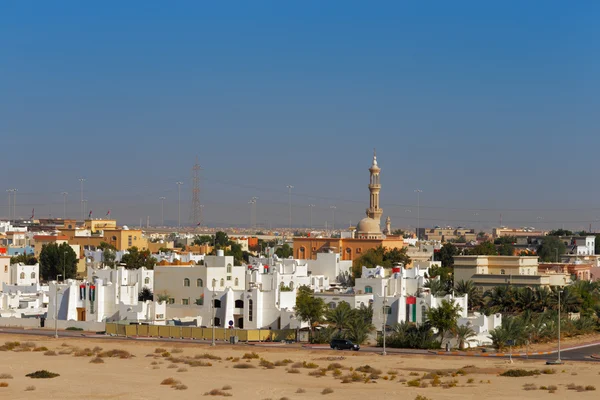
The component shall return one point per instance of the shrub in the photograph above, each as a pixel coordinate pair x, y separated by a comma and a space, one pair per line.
207, 356
3, 384
42, 374
300, 390
166, 354
515, 373
318, 373
182, 370
353, 377
170, 381
282, 363
177, 350
30, 388
172, 366
548, 371
293, 371
42, 348
226, 387
590, 387
244, 366
420, 397
470, 380
309, 365
6, 376
367, 369
266, 364
73, 328
414, 383
159, 350
115, 353
97, 349
327, 391
217, 392
97, 360
180, 386
198, 363
250, 356
529, 386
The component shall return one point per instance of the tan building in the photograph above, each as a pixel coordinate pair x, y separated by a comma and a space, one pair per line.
449, 234
517, 232
367, 235
491, 271
96, 231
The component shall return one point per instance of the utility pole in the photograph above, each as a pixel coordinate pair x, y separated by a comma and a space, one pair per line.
15, 203
418, 192
162, 210
201, 214
9, 191
195, 216
311, 206
558, 361
333, 218
213, 314
65, 194
290, 187
84, 206
81, 180
384, 318
179, 183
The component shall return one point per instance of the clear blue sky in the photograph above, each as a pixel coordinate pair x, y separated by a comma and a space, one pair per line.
488, 108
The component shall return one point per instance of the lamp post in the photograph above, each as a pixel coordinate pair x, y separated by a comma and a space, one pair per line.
418, 192
10, 191
558, 361
290, 187
213, 315
81, 180
56, 307
162, 210
65, 194
384, 318
179, 183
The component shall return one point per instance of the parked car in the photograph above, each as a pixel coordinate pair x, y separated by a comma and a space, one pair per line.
343, 344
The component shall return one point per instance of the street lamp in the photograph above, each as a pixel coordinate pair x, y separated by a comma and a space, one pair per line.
384, 318
418, 192
81, 180
65, 194
179, 183
56, 291
558, 361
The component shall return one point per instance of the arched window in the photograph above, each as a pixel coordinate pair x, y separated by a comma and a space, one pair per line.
214, 282
222, 282
217, 321
217, 303
368, 289
22, 275
33, 275
250, 304
147, 281
502, 272
199, 283
291, 285
237, 281
228, 268
186, 282
239, 304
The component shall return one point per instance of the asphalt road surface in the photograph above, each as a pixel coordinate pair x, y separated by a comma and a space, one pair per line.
583, 353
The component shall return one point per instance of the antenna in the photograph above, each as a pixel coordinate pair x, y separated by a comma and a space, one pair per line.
196, 211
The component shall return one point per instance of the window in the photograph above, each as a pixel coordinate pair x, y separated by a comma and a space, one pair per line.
502, 272
186, 282
237, 282
33, 275
228, 268
222, 282
331, 305
22, 275
185, 302
214, 282
200, 301
228, 277
6, 268
368, 289
291, 285
239, 304
217, 303
388, 310
171, 300
147, 281
250, 303
129, 241
199, 283
217, 321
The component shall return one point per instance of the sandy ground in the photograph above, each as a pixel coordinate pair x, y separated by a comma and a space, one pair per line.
140, 377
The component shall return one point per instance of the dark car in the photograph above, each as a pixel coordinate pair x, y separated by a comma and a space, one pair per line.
343, 344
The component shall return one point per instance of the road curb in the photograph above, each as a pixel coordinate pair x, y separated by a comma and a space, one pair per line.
465, 354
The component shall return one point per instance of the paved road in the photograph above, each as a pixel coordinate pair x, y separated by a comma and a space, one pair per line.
583, 353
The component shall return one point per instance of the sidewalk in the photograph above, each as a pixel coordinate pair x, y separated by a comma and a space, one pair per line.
517, 354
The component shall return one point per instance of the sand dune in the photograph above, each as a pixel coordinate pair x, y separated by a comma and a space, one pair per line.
140, 377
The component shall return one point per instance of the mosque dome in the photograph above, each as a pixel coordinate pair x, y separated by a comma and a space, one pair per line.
368, 225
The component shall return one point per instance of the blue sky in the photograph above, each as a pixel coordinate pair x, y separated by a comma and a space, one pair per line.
488, 108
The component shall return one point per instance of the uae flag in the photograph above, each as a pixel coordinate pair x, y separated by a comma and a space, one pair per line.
411, 309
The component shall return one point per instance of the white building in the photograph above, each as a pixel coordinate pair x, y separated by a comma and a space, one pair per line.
24, 275
329, 265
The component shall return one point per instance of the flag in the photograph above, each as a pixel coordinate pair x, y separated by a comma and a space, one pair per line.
90, 215
411, 309
32, 213
108, 213
198, 224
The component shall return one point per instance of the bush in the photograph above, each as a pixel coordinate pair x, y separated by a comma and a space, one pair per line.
42, 374
217, 392
250, 356
73, 328
266, 364
6, 376
198, 363
42, 348
300, 390
529, 386
50, 353
282, 363
159, 350
226, 387
180, 386
115, 353
293, 371
367, 369
177, 350
182, 370
318, 373
548, 371
170, 382
327, 391
516, 373
414, 383
30, 388
590, 387
244, 366
207, 356
97, 360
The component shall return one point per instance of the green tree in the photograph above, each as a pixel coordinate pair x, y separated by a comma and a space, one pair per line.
108, 257
506, 240
444, 317
380, 256
506, 249
560, 232
398, 232
203, 239
284, 251
463, 333
104, 246
446, 255
135, 259
436, 287
484, 249
308, 308
547, 251
468, 288
358, 330
221, 240
27, 259
340, 317
235, 250
146, 294
58, 260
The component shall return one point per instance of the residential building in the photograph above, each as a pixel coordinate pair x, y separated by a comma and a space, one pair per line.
448, 234
517, 232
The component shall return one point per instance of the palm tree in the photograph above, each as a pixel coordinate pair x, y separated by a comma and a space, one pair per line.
444, 317
358, 330
436, 287
468, 287
340, 316
463, 333
525, 298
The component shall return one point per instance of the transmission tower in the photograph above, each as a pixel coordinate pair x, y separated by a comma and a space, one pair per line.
196, 212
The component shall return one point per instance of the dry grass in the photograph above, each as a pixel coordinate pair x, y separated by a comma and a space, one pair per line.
244, 366
226, 387
170, 382
529, 386
217, 392
182, 370
283, 363
250, 356
6, 376
300, 390
124, 354
327, 391
180, 386
159, 350
42, 348
50, 353
30, 388
198, 363
97, 360
266, 364
207, 356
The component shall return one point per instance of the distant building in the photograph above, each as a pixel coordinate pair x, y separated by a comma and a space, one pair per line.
517, 232
449, 234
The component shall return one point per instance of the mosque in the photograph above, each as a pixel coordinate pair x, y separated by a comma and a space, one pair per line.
367, 235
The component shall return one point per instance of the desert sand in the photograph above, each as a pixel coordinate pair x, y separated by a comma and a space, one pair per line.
140, 377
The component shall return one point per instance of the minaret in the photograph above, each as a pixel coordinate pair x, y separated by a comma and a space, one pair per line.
374, 211
388, 226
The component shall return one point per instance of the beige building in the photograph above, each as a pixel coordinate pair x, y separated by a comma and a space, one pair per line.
517, 232
491, 271
449, 234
